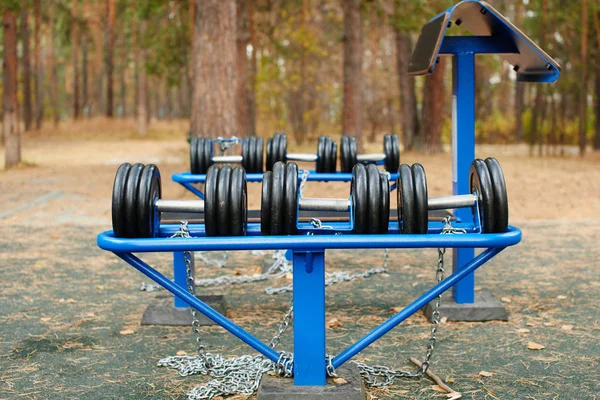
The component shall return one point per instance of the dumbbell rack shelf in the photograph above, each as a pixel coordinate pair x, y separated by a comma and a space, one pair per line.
309, 278
187, 179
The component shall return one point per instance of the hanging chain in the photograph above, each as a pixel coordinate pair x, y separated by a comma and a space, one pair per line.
382, 376
303, 181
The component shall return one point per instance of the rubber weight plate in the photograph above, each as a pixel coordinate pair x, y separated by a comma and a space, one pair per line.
321, 155
373, 199
131, 200
148, 219
277, 198
223, 201
210, 201
290, 200
500, 195
118, 201
384, 222
481, 185
282, 148
406, 200
344, 155
330, 154
246, 150
333, 158
269, 166
238, 203
194, 155
353, 151
265, 203
207, 155
421, 209
388, 151
360, 202
392, 153
258, 155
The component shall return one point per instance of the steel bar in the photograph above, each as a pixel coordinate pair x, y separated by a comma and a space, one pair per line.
370, 157
199, 305
301, 157
227, 159
458, 201
415, 306
315, 204
180, 206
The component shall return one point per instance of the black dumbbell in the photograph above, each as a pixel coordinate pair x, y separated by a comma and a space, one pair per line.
369, 197
390, 156
137, 203
325, 158
202, 155
488, 198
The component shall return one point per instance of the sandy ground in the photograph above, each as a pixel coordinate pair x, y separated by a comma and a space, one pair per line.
69, 181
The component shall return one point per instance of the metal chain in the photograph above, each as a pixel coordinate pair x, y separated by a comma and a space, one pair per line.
382, 376
303, 181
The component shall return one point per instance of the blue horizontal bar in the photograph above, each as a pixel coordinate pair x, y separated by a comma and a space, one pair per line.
199, 305
188, 177
107, 241
415, 306
477, 45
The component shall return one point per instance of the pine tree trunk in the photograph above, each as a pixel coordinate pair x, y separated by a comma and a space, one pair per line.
75, 43
142, 102
596, 143
409, 118
584, 79
243, 38
110, 47
97, 32
519, 86
253, 71
213, 104
434, 100
39, 70
136, 56
25, 38
124, 61
10, 117
352, 119
52, 71
84, 74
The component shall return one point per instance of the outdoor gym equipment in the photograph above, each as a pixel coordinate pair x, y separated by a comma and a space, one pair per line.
325, 158
390, 157
202, 157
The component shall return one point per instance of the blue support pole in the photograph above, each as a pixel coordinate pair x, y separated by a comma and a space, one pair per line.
463, 153
309, 318
180, 276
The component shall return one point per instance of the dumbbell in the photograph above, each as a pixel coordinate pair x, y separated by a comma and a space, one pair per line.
325, 158
369, 200
202, 157
488, 198
390, 156
137, 204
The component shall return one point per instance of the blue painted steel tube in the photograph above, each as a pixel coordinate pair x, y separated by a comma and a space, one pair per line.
463, 154
415, 306
180, 276
107, 241
199, 305
309, 318
188, 177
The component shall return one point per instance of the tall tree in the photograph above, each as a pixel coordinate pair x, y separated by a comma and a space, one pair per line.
584, 78
52, 70
110, 65
253, 69
214, 111
26, 61
142, 96
352, 118
243, 39
519, 86
39, 69
409, 119
10, 120
75, 42
434, 100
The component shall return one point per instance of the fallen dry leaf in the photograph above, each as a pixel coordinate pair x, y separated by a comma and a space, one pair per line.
181, 353
340, 381
396, 309
523, 330
449, 379
530, 324
567, 327
454, 396
443, 320
289, 276
438, 388
486, 374
127, 332
561, 297
548, 324
535, 346
333, 323
505, 299
45, 319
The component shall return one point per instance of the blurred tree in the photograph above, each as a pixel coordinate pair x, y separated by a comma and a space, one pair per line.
214, 111
10, 106
432, 118
52, 69
26, 62
39, 69
352, 119
243, 87
584, 78
75, 52
110, 65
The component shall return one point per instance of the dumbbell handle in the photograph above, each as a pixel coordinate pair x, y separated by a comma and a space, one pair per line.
226, 159
180, 206
457, 201
315, 204
301, 157
375, 157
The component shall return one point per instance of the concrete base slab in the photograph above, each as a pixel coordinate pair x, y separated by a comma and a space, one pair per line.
164, 313
485, 308
276, 388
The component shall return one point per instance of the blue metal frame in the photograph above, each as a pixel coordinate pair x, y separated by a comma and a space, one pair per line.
309, 279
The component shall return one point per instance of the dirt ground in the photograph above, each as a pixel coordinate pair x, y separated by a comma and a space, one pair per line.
69, 312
